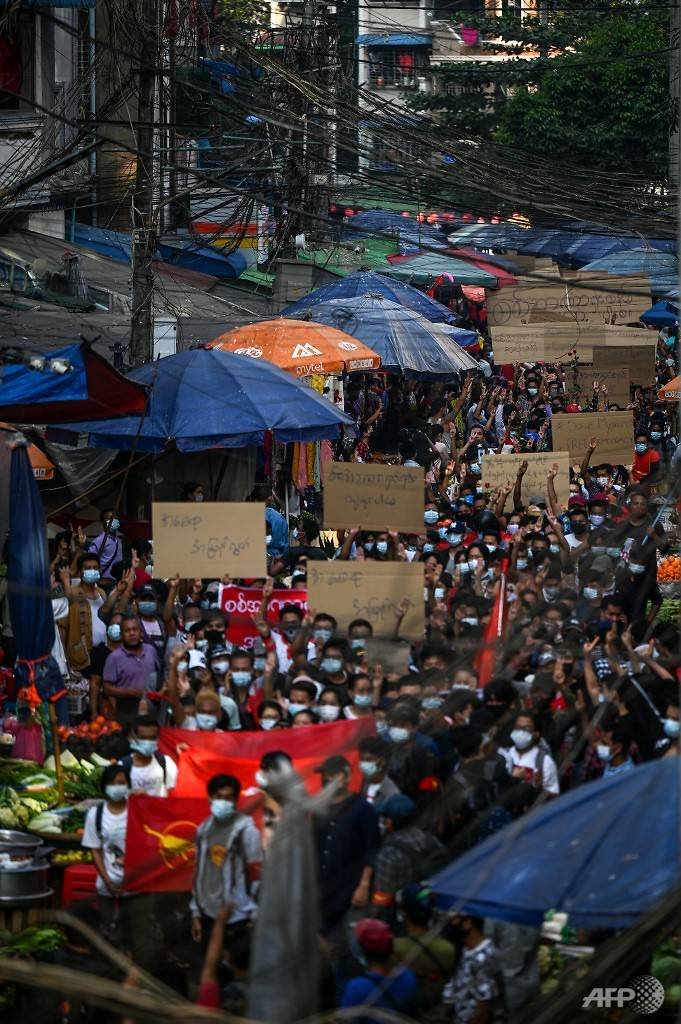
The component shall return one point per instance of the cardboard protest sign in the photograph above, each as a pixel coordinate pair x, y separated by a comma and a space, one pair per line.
614, 430
369, 590
616, 380
551, 342
209, 540
619, 300
374, 496
638, 336
638, 359
498, 470
242, 604
393, 656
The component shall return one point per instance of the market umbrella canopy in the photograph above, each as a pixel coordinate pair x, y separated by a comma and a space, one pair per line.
368, 282
429, 266
503, 276
299, 346
207, 399
76, 384
604, 853
671, 392
663, 314
661, 267
406, 342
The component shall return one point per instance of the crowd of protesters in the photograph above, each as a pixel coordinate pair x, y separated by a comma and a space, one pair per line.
584, 686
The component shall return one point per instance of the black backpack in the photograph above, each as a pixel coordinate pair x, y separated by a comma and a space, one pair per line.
424, 861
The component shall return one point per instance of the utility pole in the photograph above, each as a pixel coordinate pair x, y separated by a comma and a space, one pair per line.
143, 231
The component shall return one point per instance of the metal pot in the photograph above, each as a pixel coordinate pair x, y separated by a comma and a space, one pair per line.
18, 842
29, 883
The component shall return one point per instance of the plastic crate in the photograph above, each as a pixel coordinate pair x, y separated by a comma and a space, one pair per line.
78, 884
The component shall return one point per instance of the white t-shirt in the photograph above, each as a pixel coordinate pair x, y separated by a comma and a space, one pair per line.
148, 779
528, 759
98, 627
111, 843
60, 613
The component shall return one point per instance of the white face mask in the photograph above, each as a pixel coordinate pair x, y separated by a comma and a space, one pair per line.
522, 739
328, 712
398, 734
604, 752
269, 723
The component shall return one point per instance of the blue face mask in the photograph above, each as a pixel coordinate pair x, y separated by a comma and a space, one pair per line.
144, 747
469, 499
206, 722
442, 532
242, 678
222, 809
91, 575
117, 792
655, 435
475, 468
321, 633
358, 643
147, 607
670, 342
428, 547
362, 700
369, 547
382, 547
430, 516
641, 448
332, 666
114, 525
532, 392
113, 632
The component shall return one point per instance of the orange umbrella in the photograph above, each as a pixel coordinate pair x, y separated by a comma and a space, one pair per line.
299, 346
671, 392
42, 468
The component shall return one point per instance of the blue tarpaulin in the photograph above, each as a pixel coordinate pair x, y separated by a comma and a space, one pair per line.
204, 398
604, 853
406, 342
368, 282
394, 39
662, 314
661, 267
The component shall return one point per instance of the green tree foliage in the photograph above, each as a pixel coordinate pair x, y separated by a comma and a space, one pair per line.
590, 87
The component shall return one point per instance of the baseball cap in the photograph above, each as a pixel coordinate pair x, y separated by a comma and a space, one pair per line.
219, 651
576, 501
417, 901
534, 510
334, 765
374, 936
197, 659
599, 499
397, 808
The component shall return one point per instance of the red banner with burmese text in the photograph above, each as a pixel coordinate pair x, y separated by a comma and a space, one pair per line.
243, 603
201, 755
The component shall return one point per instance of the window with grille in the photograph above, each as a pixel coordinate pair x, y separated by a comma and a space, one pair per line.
397, 67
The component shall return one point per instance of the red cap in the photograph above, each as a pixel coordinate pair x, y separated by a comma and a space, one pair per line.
576, 500
599, 499
374, 937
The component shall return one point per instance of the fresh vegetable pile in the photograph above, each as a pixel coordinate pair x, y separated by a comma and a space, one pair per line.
669, 569
106, 739
666, 967
28, 795
29, 942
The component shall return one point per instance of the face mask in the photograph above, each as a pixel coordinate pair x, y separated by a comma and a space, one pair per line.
603, 481
440, 593
219, 667
590, 593
670, 342
521, 563
579, 529
655, 435
597, 549
636, 570
382, 547
596, 520
182, 666
513, 528
471, 621
382, 728
475, 468
521, 738
369, 547
294, 533
672, 727
114, 525
428, 547
321, 633
454, 538
545, 658
91, 575
398, 735
290, 632
206, 722
442, 533
242, 678
294, 708
464, 567
469, 499
221, 809
641, 448
430, 516
269, 723
431, 703
113, 632
410, 462
670, 362
532, 392
362, 700
358, 643
554, 548
144, 747
368, 769
115, 793
614, 552
551, 591
328, 712
539, 555
604, 753
147, 607
332, 666
259, 664
215, 636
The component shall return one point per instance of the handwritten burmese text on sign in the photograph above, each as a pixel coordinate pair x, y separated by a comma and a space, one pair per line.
548, 342
369, 590
619, 300
209, 540
638, 359
373, 496
614, 430
615, 379
498, 470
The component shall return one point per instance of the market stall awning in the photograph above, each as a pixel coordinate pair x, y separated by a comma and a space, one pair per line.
394, 39
588, 853
663, 314
671, 392
90, 389
424, 269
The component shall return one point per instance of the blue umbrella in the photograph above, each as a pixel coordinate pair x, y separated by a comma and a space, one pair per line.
204, 398
406, 342
369, 282
600, 247
604, 853
490, 236
386, 220
661, 267
663, 314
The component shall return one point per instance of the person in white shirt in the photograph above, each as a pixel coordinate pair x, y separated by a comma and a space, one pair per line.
528, 760
151, 773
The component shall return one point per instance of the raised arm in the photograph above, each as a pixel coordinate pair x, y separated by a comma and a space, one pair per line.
518, 487
586, 461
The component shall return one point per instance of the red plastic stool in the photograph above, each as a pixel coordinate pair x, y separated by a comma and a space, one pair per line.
78, 884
